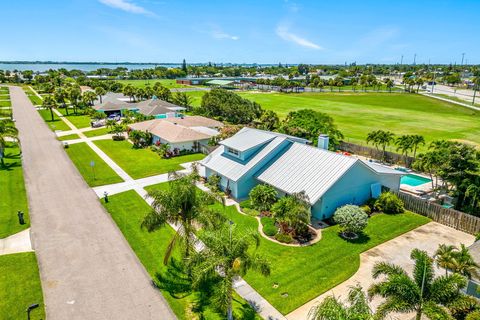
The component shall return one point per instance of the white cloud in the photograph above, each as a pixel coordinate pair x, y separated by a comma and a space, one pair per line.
219, 34
127, 6
284, 33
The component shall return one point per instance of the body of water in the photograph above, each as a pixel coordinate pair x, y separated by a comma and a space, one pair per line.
41, 67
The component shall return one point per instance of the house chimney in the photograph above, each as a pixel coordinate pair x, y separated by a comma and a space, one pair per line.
323, 141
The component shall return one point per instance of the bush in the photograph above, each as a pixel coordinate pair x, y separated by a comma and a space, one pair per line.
266, 220
371, 203
389, 203
262, 197
214, 182
285, 238
366, 209
245, 204
270, 229
351, 219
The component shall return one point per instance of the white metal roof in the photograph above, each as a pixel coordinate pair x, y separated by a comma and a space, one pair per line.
235, 169
379, 168
247, 138
306, 168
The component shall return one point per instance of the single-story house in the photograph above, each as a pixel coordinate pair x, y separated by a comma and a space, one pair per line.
152, 107
291, 165
185, 133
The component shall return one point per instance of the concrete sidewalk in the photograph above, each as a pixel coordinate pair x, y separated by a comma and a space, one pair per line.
87, 268
18, 242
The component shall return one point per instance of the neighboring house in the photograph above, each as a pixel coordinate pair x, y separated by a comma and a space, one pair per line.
473, 286
290, 165
185, 133
115, 103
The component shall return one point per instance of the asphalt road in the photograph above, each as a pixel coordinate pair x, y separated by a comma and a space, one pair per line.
87, 268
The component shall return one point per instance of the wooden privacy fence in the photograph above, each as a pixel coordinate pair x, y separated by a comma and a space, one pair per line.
449, 217
370, 152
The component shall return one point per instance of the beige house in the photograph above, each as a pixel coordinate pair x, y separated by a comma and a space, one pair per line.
186, 133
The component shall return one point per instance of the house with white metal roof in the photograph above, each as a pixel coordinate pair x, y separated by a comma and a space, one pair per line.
291, 165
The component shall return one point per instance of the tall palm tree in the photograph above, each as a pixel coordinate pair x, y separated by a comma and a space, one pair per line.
7, 130
182, 204
332, 308
50, 104
89, 97
60, 95
227, 256
404, 144
74, 95
422, 293
100, 91
444, 256
417, 140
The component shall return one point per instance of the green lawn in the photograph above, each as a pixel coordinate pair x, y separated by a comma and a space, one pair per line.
5, 104
169, 83
356, 114
97, 132
141, 163
69, 137
4, 95
20, 286
101, 174
306, 272
32, 96
128, 210
79, 120
13, 194
56, 124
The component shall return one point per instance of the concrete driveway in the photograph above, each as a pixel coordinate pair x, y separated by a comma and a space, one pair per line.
396, 251
87, 269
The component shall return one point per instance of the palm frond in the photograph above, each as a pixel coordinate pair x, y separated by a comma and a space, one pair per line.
386, 269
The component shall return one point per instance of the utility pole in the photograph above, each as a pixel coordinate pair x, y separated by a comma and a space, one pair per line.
463, 56
401, 60
415, 59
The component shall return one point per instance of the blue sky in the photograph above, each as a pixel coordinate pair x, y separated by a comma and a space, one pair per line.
262, 31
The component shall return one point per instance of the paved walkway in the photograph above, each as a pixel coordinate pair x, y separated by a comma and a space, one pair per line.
466, 105
16, 243
396, 251
87, 268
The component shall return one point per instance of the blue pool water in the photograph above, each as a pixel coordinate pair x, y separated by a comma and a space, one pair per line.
414, 180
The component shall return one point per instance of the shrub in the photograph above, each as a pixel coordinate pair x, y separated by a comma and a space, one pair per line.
270, 229
214, 182
285, 238
262, 197
245, 204
366, 209
351, 219
292, 213
371, 203
266, 220
389, 203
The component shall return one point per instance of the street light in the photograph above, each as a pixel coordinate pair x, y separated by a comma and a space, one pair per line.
30, 308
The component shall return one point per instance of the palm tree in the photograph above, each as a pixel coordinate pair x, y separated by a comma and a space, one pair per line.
88, 97
473, 193
227, 257
444, 256
332, 308
463, 263
404, 144
380, 138
100, 91
181, 204
372, 137
417, 140
7, 130
422, 293
129, 91
74, 94
60, 95
50, 104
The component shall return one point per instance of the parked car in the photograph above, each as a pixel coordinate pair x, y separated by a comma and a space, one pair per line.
114, 116
97, 123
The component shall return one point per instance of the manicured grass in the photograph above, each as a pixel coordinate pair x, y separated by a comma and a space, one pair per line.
169, 83
81, 155
56, 124
306, 272
356, 114
32, 96
140, 163
20, 286
13, 195
79, 120
96, 132
128, 210
4, 96
69, 137
5, 104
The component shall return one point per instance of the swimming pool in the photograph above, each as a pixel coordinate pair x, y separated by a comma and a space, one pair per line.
414, 180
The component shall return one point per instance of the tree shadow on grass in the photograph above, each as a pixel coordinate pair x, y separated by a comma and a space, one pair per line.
361, 239
174, 280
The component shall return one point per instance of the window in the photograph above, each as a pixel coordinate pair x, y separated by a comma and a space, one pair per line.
233, 151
